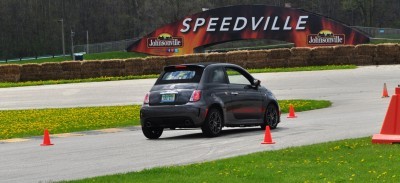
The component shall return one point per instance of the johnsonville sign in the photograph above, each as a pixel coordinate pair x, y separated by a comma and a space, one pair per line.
303, 28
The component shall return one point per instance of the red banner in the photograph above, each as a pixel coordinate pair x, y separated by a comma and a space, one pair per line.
303, 28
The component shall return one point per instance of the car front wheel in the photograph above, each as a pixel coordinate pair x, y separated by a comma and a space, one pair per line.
212, 126
271, 117
152, 132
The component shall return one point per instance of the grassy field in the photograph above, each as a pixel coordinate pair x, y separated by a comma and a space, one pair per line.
25, 123
354, 160
265, 70
92, 56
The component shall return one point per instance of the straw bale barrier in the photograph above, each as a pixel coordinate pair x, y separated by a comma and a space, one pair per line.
51, 71
134, 66
71, 70
91, 69
299, 56
175, 60
321, 56
257, 59
31, 72
10, 73
237, 57
280, 53
112, 68
153, 65
195, 58
364, 54
359, 55
387, 54
343, 55
216, 57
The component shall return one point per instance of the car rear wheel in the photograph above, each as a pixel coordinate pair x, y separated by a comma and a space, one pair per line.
152, 132
212, 126
271, 117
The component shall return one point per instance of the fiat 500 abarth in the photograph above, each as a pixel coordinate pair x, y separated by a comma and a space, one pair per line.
207, 96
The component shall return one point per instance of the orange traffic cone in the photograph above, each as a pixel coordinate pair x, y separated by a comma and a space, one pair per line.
267, 137
46, 139
390, 132
385, 92
291, 112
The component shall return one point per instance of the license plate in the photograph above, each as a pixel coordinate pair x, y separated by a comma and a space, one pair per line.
168, 97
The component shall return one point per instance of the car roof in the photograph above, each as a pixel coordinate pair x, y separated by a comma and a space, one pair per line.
204, 64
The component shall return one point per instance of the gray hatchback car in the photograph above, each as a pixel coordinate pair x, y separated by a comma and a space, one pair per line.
207, 96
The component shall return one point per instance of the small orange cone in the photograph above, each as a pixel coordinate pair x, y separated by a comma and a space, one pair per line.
46, 139
267, 137
390, 132
385, 92
291, 112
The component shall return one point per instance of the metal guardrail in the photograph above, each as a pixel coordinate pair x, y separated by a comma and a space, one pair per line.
105, 47
376, 32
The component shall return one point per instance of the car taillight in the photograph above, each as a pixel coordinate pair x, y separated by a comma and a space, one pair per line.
196, 95
146, 99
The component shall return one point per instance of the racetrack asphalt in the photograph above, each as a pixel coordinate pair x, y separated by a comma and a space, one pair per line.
357, 111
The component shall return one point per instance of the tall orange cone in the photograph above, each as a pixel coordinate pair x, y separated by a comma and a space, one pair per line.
267, 136
46, 139
291, 112
390, 132
385, 92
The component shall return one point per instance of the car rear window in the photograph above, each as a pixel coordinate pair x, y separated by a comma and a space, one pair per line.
180, 75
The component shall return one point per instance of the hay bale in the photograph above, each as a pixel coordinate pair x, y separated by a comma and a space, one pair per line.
387, 50
175, 60
301, 52
10, 73
51, 71
321, 56
134, 66
365, 49
153, 65
345, 50
71, 70
31, 72
363, 60
216, 57
277, 63
297, 61
257, 59
112, 68
91, 69
195, 58
237, 57
280, 53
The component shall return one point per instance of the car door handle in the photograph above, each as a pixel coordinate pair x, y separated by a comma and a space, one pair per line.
234, 93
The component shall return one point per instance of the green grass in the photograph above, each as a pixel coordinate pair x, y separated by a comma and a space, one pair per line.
354, 160
92, 56
25, 123
265, 70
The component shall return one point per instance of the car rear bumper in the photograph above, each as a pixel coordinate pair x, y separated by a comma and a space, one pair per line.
177, 116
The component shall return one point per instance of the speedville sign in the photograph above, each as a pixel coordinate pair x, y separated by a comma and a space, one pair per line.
303, 28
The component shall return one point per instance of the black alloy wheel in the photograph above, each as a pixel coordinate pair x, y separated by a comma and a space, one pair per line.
212, 126
271, 117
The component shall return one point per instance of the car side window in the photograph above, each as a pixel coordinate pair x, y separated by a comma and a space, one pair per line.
236, 77
218, 76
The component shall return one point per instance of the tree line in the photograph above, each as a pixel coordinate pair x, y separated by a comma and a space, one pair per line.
33, 27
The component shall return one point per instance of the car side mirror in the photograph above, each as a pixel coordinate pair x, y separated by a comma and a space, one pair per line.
256, 82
